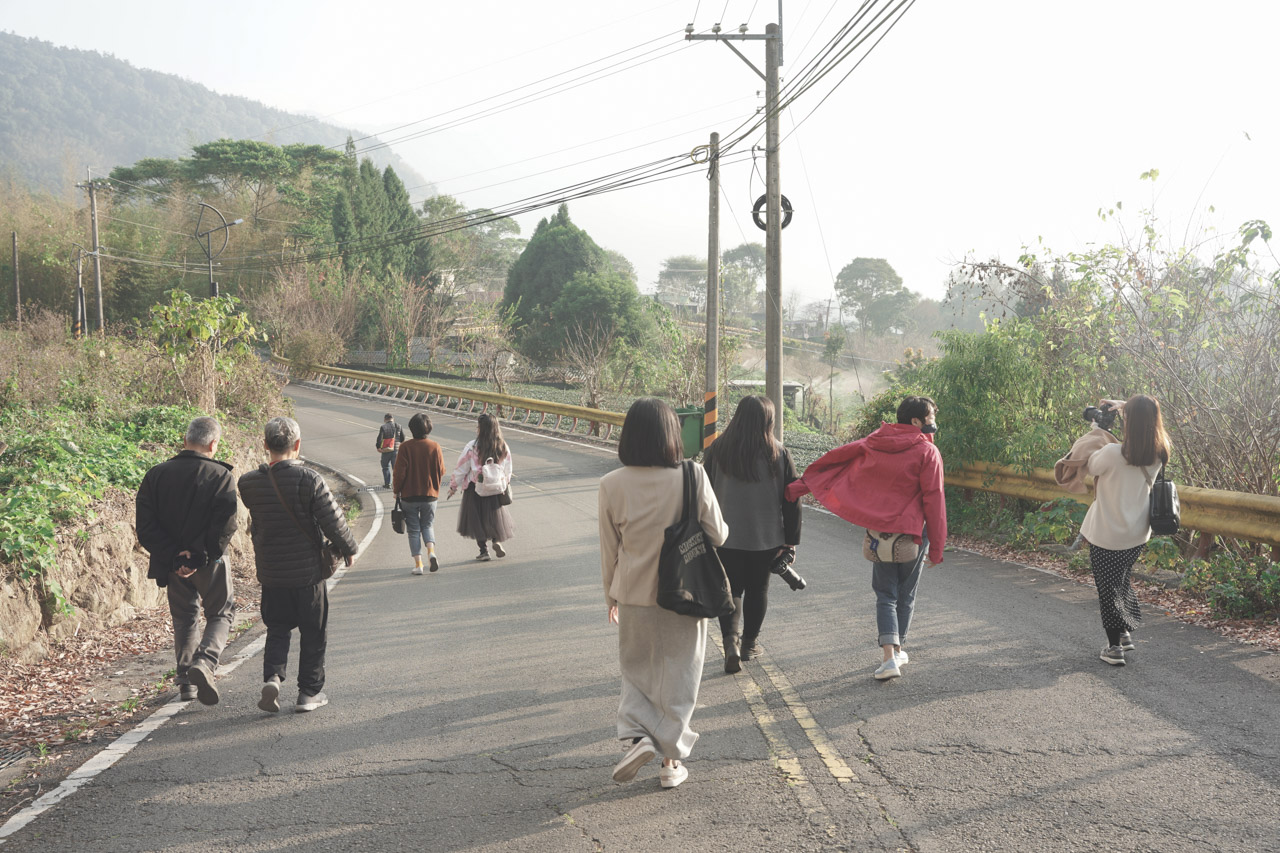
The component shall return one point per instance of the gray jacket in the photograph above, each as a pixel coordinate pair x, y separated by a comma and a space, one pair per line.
286, 556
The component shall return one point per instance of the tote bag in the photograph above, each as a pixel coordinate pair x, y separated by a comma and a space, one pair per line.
1165, 512
691, 579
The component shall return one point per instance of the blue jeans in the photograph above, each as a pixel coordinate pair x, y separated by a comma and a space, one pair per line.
388, 465
419, 522
895, 585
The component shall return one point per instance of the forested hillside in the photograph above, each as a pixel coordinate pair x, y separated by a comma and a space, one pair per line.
63, 109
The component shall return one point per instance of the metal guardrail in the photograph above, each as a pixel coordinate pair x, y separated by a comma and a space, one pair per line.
568, 418
1254, 518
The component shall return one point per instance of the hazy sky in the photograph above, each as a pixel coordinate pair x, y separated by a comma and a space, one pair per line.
972, 127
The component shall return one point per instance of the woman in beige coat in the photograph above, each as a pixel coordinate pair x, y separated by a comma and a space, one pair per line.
660, 652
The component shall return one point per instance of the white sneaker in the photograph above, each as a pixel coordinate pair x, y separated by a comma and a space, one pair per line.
417, 570
310, 703
901, 657
887, 670
638, 755
670, 777
270, 700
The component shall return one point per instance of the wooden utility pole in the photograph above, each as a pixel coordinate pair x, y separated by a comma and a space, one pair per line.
710, 412
773, 231
97, 256
17, 289
772, 39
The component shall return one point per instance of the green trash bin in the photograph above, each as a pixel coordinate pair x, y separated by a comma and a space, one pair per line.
691, 430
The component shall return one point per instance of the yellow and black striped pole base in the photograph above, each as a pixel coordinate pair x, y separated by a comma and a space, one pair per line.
710, 417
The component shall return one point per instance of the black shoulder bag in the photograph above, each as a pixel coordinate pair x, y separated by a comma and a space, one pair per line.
1165, 513
691, 579
329, 555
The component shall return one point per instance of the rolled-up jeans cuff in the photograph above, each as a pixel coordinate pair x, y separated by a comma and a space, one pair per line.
889, 640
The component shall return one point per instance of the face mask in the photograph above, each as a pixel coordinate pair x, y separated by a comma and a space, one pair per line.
929, 429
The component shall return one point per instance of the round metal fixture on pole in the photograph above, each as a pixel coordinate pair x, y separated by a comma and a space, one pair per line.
206, 240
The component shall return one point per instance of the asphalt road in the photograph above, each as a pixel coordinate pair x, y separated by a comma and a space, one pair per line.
474, 709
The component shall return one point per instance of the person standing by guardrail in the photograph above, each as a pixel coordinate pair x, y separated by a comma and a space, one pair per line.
484, 518
750, 471
390, 437
660, 652
416, 482
1118, 523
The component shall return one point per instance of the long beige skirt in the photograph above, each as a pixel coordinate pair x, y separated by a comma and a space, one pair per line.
661, 655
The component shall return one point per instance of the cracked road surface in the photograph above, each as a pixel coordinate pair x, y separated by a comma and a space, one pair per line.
473, 709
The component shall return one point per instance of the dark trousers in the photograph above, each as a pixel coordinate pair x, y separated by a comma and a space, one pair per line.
749, 575
388, 465
307, 609
210, 588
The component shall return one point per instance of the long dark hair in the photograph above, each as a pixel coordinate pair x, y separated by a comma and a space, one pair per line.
1145, 440
650, 435
747, 438
489, 443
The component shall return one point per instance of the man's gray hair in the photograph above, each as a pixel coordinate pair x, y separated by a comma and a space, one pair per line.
281, 434
203, 432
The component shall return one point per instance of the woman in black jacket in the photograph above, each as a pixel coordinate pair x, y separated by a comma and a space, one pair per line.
749, 470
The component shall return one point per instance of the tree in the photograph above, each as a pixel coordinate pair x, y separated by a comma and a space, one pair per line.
683, 280
865, 282
831, 349
742, 272
558, 251
191, 332
588, 348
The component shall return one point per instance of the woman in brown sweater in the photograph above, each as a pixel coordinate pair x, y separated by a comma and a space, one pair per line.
416, 482
660, 652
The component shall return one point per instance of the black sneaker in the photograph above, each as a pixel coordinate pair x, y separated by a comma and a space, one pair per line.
186, 692
483, 557
1113, 655
751, 649
1126, 642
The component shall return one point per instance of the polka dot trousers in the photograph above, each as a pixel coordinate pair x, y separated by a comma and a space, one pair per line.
1112, 572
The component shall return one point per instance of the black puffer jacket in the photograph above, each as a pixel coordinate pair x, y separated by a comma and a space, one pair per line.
285, 556
185, 504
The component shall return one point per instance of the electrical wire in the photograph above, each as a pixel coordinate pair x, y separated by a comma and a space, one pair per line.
461, 74
112, 218
525, 100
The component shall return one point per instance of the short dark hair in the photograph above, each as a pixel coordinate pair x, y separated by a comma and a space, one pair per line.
387, 417
420, 425
651, 435
915, 407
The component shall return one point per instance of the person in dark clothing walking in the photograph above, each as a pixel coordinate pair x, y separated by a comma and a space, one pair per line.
390, 437
186, 513
749, 471
287, 544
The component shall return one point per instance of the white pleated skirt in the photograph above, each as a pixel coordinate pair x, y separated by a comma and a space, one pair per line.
661, 655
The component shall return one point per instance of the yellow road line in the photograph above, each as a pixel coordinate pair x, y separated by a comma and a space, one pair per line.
829, 754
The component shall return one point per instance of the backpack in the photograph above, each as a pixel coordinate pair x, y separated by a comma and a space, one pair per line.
492, 480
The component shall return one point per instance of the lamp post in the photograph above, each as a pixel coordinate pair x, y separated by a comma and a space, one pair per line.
206, 240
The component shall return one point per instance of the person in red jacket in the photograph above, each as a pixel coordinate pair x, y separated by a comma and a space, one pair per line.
889, 482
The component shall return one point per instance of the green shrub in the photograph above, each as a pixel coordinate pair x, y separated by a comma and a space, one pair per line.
1056, 521
1236, 588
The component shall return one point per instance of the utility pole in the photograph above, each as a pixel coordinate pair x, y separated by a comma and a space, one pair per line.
17, 289
78, 320
97, 256
710, 412
772, 39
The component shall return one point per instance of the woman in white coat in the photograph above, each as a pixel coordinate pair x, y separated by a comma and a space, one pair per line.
1118, 523
660, 652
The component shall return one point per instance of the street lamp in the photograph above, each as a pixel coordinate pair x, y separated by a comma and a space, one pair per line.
207, 238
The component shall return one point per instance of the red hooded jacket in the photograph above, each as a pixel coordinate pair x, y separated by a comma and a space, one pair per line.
890, 481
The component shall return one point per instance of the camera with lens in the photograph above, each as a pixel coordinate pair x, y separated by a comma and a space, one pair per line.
1103, 418
782, 568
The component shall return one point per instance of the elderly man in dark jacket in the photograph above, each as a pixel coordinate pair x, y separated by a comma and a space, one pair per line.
186, 513
291, 512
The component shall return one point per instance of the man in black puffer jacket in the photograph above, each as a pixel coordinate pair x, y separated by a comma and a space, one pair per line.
185, 515
287, 543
